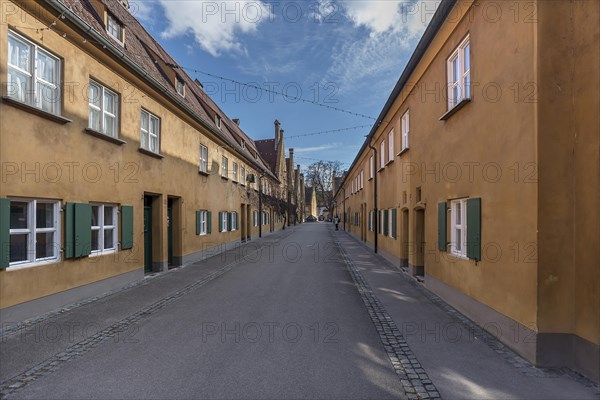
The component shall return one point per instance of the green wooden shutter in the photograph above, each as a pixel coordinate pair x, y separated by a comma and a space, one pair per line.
474, 229
83, 229
69, 230
442, 226
394, 224
220, 221
198, 222
126, 227
4, 233
209, 222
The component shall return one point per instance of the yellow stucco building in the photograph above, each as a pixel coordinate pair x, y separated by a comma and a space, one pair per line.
486, 162
115, 163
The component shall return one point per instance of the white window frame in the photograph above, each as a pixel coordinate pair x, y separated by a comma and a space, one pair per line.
101, 227
255, 218
458, 89
390, 234
458, 245
32, 230
112, 21
224, 166
405, 131
224, 216
382, 155
203, 223
145, 131
381, 230
180, 86
243, 175
391, 153
218, 121
234, 221
371, 167
203, 166
103, 92
32, 95
234, 172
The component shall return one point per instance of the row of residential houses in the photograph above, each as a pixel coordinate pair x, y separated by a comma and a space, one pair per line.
481, 176
115, 163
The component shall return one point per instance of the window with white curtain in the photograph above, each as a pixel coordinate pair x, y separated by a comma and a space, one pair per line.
391, 146
458, 227
150, 129
203, 158
382, 155
104, 110
405, 130
33, 74
459, 74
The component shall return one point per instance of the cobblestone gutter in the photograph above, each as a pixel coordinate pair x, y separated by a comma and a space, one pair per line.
414, 379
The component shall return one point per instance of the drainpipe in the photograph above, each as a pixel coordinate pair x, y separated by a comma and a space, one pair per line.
375, 231
260, 216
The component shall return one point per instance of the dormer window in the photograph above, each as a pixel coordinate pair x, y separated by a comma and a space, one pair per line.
180, 87
114, 28
243, 145
218, 121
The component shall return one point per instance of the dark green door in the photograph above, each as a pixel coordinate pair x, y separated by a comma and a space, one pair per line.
147, 239
170, 231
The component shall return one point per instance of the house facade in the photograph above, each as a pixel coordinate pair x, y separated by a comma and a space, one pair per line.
115, 163
290, 182
480, 175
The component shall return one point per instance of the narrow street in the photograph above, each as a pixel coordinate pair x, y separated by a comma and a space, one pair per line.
280, 317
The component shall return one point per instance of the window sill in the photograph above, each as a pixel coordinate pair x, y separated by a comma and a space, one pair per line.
403, 152
101, 135
204, 173
25, 265
454, 109
380, 169
389, 162
35, 110
224, 178
151, 153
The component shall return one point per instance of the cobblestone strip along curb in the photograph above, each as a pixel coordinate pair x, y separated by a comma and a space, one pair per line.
71, 353
519, 363
414, 379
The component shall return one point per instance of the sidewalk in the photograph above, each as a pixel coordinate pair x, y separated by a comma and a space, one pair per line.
461, 360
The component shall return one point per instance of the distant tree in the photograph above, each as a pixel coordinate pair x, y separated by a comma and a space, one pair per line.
320, 175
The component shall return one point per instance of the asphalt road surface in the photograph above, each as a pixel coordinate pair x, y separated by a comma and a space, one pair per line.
284, 321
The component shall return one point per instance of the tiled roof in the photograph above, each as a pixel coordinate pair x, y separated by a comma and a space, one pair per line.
266, 149
141, 47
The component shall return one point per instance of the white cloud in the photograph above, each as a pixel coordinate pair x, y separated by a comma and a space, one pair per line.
392, 27
215, 25
379, 16
315, 149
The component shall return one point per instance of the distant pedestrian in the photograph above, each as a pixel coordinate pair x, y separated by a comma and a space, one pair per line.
336, 220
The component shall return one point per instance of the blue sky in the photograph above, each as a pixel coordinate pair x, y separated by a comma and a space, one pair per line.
346, 54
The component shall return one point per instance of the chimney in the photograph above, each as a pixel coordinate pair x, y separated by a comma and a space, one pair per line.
277, 131
237, 121
125, 3
292, 158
